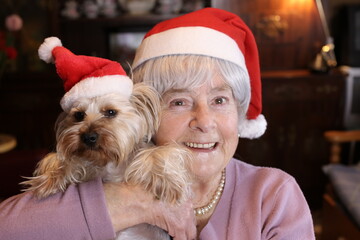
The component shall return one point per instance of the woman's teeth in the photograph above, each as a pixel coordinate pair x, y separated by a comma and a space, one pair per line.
200, 145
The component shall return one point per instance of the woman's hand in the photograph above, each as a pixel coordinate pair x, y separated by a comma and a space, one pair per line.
130, 205
178, 221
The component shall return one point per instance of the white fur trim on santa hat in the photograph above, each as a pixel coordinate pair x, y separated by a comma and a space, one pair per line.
252, 128
190, 40
97, 86
45, 49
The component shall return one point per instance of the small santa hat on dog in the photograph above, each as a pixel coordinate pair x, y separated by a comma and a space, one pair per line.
84, 76
216, 33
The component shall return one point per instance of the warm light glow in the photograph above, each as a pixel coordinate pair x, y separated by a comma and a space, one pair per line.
326, 48
299, 4
300, 1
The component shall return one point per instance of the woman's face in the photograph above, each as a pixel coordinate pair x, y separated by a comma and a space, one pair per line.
205, 120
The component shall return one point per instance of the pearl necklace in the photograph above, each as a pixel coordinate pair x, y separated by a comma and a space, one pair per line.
205, 209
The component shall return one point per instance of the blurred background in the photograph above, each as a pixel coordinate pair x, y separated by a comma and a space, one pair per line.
310, 61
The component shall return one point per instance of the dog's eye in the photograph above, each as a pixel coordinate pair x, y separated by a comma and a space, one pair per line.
110, 113
79, 116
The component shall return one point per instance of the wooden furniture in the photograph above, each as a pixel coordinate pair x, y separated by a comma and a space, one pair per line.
337, 221
299, 106
337, 138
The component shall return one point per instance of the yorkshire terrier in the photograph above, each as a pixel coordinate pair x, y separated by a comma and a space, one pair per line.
109, 136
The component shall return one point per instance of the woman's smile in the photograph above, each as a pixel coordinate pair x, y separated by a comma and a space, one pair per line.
200, 146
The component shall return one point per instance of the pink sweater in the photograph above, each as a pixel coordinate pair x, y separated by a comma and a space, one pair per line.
257, 203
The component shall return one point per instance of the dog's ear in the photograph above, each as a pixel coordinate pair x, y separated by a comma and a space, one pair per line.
147, 102
60, 124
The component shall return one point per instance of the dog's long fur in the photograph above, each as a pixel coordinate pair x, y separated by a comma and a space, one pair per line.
109, 136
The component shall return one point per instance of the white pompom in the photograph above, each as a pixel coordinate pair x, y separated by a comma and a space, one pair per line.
45, 49
253, 128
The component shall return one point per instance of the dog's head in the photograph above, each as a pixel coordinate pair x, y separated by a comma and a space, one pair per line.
109, 127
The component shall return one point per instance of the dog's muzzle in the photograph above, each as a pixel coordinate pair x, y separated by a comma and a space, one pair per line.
89, 139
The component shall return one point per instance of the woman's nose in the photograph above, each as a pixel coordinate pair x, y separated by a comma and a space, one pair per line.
203, 118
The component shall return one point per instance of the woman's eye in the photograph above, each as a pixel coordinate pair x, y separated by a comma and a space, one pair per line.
220, 100
110, 113
79, 116
177, 103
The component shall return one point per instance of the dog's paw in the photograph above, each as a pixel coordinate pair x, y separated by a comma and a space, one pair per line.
163, 171
48, 179
42, 186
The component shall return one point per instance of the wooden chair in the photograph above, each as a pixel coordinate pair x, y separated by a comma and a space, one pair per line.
338, 222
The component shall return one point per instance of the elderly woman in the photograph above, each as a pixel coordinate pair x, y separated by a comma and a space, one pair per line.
205, 66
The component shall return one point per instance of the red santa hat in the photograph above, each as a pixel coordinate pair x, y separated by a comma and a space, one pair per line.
216, 33
84, 76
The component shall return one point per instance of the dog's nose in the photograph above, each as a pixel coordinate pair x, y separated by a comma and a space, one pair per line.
89, 138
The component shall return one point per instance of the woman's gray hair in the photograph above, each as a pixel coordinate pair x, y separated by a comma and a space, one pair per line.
191, 71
